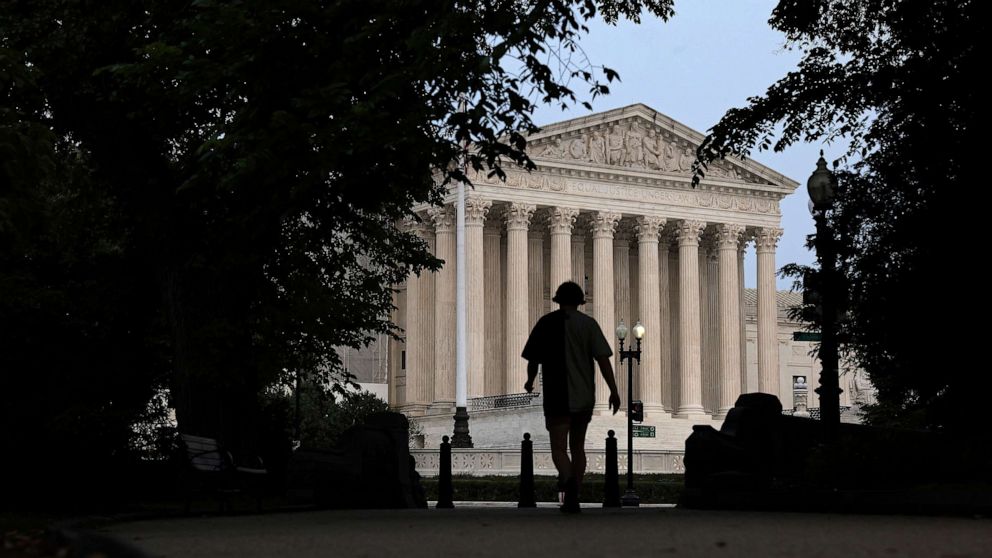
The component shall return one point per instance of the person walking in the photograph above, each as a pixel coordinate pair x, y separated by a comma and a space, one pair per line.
566, 343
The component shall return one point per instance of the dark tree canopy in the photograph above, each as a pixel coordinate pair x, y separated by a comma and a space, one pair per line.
900, 80
203, 195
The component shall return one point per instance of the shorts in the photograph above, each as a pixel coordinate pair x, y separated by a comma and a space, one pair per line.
571, 419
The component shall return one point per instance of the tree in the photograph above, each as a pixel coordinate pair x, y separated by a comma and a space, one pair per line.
897, 79
252, 160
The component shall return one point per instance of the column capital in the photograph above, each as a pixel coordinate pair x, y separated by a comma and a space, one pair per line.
518, 215
444, 218
561, 220
476, 209
415, 226
728, 236
603, 224
689, 232
766, 239
648, 228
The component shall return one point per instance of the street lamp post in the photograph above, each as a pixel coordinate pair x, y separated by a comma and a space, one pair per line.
630, 498
822, 186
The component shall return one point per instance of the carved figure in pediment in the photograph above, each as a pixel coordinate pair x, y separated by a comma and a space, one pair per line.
723, 169
615, 147
653, 148
634, 145
577, 148
671, 159
685, 159
597, 148
553, 150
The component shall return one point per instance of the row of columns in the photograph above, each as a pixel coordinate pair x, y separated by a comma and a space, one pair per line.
673, 312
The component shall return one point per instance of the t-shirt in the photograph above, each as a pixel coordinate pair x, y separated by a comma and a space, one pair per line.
566, 343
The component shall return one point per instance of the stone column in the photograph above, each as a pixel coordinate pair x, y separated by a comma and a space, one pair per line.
419, 373
535, 276
705, 365
621, 301
603, 225
444, 309
494, 334
713, 323
728, 240
690, 367
560, 223
768, 373
740, 284
665, 323
648, 298
579, 256
517, 322
476, 209
675, 323
397, 376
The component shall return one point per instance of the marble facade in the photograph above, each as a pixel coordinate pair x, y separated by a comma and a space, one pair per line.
611, 207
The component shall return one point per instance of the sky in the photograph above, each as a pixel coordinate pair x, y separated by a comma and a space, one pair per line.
710, 57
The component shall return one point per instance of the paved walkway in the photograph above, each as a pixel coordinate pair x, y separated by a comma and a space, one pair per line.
544, 532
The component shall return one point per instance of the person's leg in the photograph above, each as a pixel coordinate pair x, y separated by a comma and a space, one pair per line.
577, 445
558, 432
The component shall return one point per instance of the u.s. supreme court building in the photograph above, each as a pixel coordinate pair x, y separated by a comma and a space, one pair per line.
610, 206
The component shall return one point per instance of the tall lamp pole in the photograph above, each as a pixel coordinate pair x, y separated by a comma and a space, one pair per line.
630, 498
461, 437
822, 187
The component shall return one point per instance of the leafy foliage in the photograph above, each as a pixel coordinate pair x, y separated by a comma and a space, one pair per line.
203, 196
897, 79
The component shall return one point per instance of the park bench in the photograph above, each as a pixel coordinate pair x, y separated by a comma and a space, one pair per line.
211, 468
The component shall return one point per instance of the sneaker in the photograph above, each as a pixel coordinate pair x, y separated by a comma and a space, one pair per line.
570, 502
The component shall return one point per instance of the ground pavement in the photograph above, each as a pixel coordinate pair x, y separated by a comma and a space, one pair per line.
505, 532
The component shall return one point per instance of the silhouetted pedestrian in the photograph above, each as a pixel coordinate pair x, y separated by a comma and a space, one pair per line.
565, 343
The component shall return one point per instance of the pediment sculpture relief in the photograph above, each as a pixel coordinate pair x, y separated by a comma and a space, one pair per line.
632, 144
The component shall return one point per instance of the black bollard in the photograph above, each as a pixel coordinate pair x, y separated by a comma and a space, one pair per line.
444, 489
527, 499
611, 492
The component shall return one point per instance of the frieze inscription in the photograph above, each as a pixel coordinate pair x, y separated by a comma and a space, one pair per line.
550, 183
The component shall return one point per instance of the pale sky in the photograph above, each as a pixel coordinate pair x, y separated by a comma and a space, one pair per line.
709, 58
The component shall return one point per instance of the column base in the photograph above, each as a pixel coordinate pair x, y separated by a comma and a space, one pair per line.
655, 412
414, 409
441, 408
691, 411
461, 437
721, 413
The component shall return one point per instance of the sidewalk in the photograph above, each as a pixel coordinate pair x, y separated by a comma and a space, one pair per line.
504, 532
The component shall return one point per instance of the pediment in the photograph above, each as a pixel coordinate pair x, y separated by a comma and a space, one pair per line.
638, 138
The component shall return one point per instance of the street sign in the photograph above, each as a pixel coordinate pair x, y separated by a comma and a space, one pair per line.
641, 431
807, 336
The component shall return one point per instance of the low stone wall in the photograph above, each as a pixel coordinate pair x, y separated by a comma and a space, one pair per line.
505, 428
482, 462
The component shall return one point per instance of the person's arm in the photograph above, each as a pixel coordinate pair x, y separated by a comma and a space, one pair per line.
531, 374
606, 368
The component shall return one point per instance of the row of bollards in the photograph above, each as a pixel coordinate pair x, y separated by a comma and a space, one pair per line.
528, 499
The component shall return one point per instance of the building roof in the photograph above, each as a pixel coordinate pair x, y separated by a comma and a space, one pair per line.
783, 299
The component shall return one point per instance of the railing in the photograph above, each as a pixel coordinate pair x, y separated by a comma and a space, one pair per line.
814, 412
508, 401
